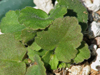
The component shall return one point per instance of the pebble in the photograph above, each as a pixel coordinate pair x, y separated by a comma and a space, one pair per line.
96, 62
45, 5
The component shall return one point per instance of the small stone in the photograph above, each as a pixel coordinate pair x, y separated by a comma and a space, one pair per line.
93, 72
93, 48
0, 32
94, 30
86, 70
96, 63
57, 73
92, 5
75, 70
98, 41
45, 5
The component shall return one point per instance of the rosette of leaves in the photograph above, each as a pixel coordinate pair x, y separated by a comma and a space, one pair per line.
64, 37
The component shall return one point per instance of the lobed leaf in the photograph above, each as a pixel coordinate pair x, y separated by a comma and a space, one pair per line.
10, 24
37, 69
84, 53
76, 9
58, 12
34, 18
62, 37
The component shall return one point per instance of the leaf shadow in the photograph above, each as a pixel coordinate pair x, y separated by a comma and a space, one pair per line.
83, 26
82, 45
70, 13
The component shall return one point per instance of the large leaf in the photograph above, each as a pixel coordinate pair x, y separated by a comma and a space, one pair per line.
53, 62
61, 36
12, 67
75, 8
37, 69
83, 54
10, 24
58, 12
34, 18
6, 5
11, 55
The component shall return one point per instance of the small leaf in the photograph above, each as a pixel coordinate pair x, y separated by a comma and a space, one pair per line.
37, 69
58, 12
31, 53
83, 54
34, 18
10, 24
53, 62
46, 58
34, 46
11, 55
27, 35
62, 65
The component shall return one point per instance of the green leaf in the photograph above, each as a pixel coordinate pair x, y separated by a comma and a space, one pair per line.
34, 18
27, 35
83, 54
10, 24
53, 62
50, 60
37, 69
58, 12
61, 29
34, 46
17, 35
65, 51
62, 65
6, 5
12, 67
46, 58
11, 55
76, 9
31, 53
61, 36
